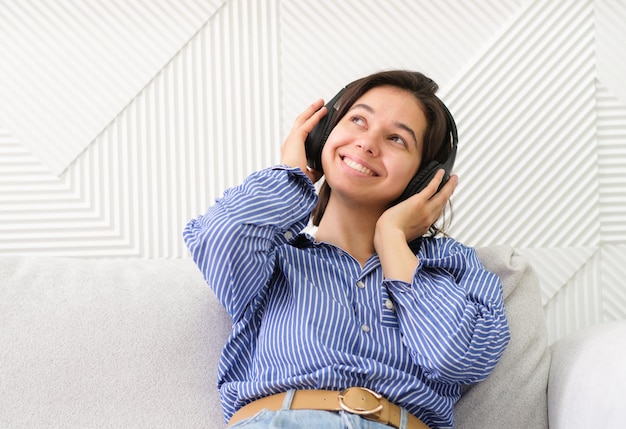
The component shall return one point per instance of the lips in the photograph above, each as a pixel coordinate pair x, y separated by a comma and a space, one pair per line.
358, 167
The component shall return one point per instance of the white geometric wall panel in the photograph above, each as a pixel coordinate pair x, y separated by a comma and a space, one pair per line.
526, 113
69, 67
578, 303
613, 275
612, 166
327, 43
192, 131
610, 40
555, 266
595, 293
536, 87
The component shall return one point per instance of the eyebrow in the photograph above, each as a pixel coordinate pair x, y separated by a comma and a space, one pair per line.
395, 123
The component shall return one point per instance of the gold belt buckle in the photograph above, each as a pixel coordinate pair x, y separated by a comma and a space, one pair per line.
355, 409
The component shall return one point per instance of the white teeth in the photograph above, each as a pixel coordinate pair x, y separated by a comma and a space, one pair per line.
358, 167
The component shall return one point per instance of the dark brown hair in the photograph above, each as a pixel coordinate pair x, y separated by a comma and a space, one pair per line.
436, 136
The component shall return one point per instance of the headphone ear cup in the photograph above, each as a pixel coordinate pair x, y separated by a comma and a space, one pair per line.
313, 146
421, 180
315, 141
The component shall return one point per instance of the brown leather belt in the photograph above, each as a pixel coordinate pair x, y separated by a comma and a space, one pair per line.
355, 400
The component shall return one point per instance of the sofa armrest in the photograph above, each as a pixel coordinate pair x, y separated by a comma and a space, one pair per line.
587, 383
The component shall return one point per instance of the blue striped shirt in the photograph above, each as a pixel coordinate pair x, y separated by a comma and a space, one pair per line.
306, 315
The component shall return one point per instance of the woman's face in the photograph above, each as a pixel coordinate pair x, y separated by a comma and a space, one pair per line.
376, 148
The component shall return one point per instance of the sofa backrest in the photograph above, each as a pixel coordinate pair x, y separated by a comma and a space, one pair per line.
515, 393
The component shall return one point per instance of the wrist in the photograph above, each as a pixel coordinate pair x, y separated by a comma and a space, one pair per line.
386, 233
397, 259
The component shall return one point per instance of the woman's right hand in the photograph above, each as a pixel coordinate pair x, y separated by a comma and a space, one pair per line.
293, 153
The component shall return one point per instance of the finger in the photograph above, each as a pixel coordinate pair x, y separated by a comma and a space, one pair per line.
450, 186
301, 130
431, 189
310, 123
310, 111
446, 191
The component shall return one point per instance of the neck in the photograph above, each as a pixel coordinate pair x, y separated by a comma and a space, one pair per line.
349, 227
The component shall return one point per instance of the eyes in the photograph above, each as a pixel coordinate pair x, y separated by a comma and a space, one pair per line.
398, 140
361, 122
358, 120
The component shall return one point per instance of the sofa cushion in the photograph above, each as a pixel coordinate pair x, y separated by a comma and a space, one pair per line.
515, 394
108, 343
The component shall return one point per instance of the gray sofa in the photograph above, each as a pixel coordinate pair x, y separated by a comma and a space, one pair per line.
130, 343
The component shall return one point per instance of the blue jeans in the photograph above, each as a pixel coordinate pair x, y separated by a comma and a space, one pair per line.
310, 419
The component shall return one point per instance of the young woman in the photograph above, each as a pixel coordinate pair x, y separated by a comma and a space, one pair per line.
374, 322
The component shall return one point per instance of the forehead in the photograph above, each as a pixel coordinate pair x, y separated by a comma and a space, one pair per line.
394, 103
390, 97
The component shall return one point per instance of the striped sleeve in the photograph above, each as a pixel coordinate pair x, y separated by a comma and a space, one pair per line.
233, 243
452, 316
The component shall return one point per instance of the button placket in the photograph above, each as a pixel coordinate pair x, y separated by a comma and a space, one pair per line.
365, 327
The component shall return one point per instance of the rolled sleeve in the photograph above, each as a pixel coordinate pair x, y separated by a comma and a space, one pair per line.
234, 243
452, 315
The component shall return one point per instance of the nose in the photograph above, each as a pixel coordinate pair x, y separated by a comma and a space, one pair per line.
368, 143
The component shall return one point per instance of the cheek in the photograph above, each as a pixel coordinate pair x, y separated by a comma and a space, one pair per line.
325, 156
405, 170
402, 177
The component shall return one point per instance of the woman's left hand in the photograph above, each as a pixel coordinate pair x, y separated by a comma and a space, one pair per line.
406, 221
415, 215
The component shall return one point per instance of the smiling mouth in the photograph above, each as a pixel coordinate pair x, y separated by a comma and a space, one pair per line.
358, 167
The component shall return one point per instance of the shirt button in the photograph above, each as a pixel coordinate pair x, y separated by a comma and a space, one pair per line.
365, 328
389, 304
288, 235
360, 284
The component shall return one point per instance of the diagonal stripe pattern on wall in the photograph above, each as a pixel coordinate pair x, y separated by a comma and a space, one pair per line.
527, 152
69, 67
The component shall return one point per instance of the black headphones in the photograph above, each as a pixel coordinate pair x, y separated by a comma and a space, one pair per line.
316, 140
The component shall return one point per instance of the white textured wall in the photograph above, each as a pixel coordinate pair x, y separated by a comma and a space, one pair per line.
121, 119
